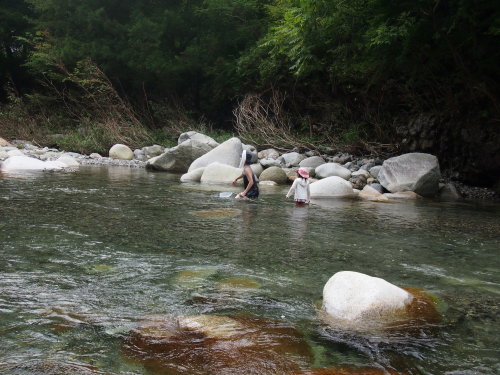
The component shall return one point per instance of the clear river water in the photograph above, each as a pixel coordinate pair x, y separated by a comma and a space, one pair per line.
85, 255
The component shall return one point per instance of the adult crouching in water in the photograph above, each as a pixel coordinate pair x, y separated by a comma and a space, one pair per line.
249, 179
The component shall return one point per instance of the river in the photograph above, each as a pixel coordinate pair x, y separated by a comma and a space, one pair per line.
84, 255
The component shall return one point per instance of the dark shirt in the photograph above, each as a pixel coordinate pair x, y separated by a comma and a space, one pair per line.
254, 190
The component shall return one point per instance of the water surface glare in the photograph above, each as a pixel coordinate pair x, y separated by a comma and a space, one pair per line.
85, 255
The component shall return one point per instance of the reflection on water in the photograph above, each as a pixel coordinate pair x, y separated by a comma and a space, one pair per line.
85, 255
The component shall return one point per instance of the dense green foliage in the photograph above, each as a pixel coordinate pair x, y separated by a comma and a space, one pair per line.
347, 68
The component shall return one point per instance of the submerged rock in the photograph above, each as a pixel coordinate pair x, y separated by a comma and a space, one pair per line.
215, 344
237, 284
217, 213
194, 277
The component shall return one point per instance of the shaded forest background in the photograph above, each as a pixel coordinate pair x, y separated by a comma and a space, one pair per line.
375, 77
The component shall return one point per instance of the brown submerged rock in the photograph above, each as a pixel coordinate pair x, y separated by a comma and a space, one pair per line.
218, 345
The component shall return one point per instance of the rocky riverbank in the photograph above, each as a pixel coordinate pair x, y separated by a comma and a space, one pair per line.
358, 171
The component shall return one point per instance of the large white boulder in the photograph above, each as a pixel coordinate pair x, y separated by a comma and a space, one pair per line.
332, 169
193, 176
331, 187
352, 297
416, 172
121, 152
180, 157
218, 173
228, 152
198, 137
18, 163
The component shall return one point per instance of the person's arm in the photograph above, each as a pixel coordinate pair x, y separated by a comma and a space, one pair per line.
248, 172
237, 178
292, 189
308, 192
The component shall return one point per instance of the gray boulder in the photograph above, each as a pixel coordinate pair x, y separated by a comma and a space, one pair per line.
332, 169
228, 152
415, 172
197, 137
275, 174
152, 151
375, 170
269, 162
179, 158
292, 159
312, 162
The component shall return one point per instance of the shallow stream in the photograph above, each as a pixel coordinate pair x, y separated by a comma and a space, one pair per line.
85, 255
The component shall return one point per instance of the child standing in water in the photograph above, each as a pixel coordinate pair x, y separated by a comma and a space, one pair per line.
249, 179
301, 188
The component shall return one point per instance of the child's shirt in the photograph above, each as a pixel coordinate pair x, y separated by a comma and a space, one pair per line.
301, 188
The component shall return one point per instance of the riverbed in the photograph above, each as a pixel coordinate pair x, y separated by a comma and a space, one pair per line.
86, 254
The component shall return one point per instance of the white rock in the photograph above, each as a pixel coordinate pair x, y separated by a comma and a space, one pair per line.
193, 176
15, 152
68, 161
95, 155
331, 187
416, 172
332, 169
218, 173
228, 153
121, 152
17, 163
352, 297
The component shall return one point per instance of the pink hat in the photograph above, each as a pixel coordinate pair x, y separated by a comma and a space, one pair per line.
303, 172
